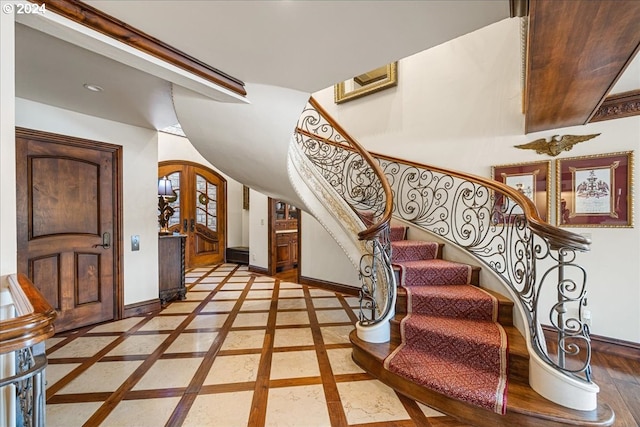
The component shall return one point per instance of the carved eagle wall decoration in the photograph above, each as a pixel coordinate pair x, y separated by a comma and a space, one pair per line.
556, 145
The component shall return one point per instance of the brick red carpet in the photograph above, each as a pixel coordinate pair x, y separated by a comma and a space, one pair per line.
451, 342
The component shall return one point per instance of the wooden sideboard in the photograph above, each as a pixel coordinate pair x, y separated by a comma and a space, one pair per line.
171, 267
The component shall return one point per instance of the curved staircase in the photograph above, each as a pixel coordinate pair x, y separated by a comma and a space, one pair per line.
454, 347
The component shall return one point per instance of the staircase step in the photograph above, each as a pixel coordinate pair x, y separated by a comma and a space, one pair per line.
397, 232
505, 305
413, 250
434, 272
518, 355
475, 274
525, 407
459, 301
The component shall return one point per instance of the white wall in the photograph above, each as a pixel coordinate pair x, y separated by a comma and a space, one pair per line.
8, 243
258, 225
458, 105
139, 177
174, 147
322, 258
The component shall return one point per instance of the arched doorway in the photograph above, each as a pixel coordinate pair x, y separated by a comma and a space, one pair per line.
199, 210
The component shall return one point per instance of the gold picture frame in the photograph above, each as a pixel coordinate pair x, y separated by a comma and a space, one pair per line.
367, 83
595, 191
532, 179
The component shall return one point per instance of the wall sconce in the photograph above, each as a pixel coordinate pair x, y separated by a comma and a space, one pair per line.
165, 192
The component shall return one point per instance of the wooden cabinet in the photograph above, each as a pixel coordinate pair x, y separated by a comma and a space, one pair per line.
286, 249
285, 226
171, 267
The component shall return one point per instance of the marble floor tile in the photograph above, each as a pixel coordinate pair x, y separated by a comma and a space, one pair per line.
291, 293
294, 364
201, 287
292, 304
370, 402
203, 321
142, 412
287, 406
251, 319
117, 326
231, 410
327, 303
336, 334
292, 337
353, 302
292, 318
233, 369
163, 323
332, 316
342, 362
429, 412
169, 373
196, 296
102, 376
192, 342
82, 347
256, 305
234, 286
180, 307
138, 344
54, 372
238, 340
259, 294
50, 342
320, 293
226, 295
70, 414
218, 307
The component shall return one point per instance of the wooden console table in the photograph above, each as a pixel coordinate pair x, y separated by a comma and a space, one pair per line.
171, 267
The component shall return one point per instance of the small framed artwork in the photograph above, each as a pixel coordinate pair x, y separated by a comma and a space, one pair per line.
595, 191
531, 179
245, 197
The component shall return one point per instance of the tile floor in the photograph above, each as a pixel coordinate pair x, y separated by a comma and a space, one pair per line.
241, 350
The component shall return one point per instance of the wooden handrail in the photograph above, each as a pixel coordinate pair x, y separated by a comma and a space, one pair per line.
32, 327
385, 219
557, 237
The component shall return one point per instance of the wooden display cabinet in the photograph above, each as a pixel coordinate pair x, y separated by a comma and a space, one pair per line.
171, 267
286, 235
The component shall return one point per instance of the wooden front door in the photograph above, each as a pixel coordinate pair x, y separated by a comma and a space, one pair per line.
200, 210
66, 224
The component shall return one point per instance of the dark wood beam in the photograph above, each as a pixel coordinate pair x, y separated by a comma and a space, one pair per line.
577, 50
99, 21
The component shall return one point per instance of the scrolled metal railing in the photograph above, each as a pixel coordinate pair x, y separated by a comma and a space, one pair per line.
501, 227
495, 223
356, 177
22, 335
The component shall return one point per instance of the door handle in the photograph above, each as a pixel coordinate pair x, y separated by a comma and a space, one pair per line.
106, 241
193, 225
185, 226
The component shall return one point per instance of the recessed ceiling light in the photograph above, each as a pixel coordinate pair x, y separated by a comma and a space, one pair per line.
92, 88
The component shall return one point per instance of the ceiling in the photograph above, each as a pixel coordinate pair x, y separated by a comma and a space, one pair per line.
302, 45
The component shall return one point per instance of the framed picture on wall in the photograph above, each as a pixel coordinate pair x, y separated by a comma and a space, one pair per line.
531, 179
595, 191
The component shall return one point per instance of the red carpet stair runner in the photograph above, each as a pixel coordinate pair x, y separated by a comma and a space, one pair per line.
450, 339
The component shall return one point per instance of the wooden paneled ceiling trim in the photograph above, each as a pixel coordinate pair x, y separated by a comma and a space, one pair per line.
99, 21
576, 51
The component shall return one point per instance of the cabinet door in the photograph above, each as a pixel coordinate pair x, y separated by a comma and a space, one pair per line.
200, 210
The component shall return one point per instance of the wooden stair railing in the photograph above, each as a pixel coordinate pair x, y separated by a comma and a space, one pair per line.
22, 345
494, 223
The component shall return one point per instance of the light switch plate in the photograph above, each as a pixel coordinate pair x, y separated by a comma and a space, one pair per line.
135, 243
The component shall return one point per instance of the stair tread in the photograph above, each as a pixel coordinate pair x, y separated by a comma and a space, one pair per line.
522, 401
